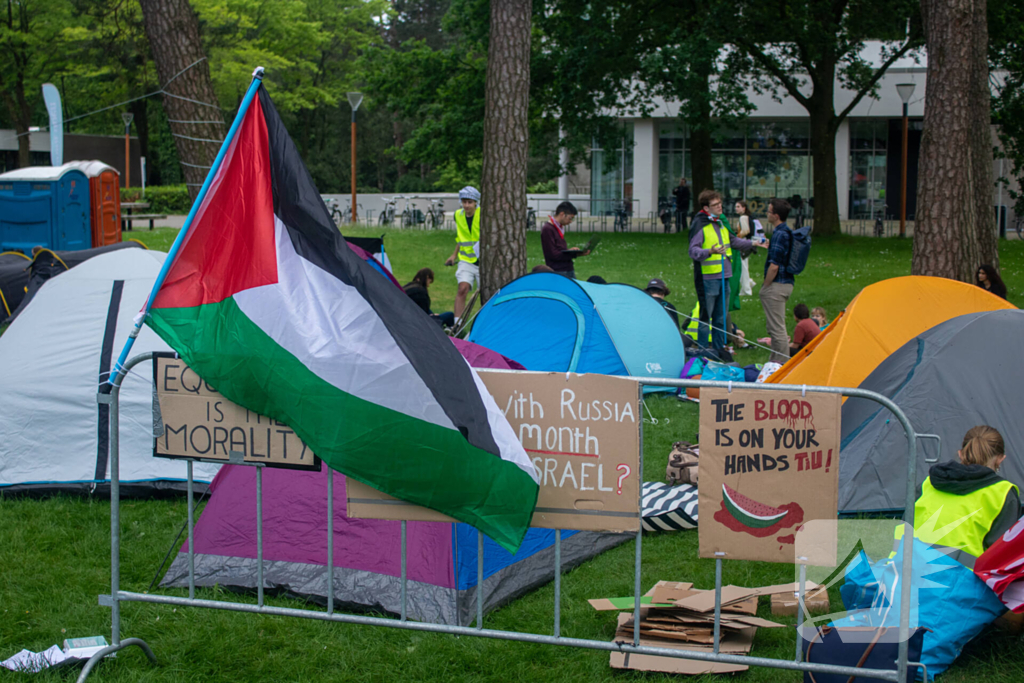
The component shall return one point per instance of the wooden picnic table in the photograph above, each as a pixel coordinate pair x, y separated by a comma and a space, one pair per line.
127, 216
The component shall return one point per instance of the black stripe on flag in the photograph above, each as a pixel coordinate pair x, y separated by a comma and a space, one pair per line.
298, 204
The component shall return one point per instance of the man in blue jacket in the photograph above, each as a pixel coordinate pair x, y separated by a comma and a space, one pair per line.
778, 284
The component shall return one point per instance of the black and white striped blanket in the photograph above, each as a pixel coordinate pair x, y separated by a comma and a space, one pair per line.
669, 508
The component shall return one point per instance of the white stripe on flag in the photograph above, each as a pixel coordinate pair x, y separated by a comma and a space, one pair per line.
308, 311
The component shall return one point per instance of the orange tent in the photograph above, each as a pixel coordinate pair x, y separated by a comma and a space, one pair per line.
879, 320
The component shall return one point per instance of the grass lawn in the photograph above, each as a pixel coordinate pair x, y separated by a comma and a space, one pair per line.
55, 552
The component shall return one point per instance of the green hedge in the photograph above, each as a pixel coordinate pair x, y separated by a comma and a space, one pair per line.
169, 199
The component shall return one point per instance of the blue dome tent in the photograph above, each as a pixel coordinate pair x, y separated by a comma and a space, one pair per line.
551, 323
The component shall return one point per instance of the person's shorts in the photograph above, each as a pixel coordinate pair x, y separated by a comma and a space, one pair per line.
468, 273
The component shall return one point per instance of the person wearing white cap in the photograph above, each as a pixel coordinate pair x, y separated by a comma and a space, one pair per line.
467, 247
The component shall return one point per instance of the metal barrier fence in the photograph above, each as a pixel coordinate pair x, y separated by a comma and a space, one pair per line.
118, 596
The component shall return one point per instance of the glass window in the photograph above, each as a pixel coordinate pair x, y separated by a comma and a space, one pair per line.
611, 174
776, 174
868, 142
673, 159
773, 135
727, 168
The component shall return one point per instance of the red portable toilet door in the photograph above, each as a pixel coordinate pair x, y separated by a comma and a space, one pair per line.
107, 214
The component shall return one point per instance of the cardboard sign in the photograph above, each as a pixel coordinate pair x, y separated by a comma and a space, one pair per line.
769, 464
582, 433
200, 424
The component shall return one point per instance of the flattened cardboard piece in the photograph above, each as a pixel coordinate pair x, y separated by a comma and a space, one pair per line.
783, 588
670, 591
787, 605
739, 642
582, 433
704, 601
200, 424
769, 463
670, 665
758, 621
748, 606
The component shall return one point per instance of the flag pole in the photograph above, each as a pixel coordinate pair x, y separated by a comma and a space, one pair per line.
117, 372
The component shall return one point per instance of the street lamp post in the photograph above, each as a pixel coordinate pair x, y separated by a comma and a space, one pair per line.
906, 90
127, 117
354, 100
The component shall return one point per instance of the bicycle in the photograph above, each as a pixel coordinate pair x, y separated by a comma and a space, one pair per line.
387, 214
879, 229
336, 216
531, 218
1018, 226
408, 214
623, 210
665, 213
435, 214
348, 213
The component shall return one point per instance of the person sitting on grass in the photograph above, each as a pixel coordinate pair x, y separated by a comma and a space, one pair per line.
964, 504
658, 291
988, 279
417, 291
819, 316
806, 328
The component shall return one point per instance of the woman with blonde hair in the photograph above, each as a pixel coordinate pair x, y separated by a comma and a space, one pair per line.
964, 504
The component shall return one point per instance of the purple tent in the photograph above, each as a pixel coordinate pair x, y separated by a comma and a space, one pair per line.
442, 557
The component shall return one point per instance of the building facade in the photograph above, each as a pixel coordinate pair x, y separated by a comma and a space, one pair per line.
770, 154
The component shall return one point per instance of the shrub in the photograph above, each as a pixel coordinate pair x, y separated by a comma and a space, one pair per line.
168, 199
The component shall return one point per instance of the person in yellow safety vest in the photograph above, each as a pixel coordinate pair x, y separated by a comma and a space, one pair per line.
693, 328
964, 504
467, 247
711, 247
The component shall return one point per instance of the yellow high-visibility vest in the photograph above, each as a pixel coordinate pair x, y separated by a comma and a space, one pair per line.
713, 264
954, 521
466, 238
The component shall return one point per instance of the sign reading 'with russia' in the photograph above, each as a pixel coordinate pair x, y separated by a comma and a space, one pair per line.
582, 433
769, 464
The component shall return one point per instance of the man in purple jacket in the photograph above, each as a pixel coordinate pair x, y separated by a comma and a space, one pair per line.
557, 254
711, 247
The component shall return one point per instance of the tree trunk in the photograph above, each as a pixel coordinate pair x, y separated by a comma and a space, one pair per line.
823, 167
954, 231
173, 32
700, 162
700, 137
506, 146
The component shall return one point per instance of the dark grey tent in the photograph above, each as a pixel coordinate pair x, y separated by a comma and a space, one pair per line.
964, 372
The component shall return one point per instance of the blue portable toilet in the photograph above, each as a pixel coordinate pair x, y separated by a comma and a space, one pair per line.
44, 206
548, 322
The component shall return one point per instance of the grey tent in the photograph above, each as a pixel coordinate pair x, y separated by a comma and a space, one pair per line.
964, 372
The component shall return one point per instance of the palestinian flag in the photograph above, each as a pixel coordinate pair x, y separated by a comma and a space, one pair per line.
267, 303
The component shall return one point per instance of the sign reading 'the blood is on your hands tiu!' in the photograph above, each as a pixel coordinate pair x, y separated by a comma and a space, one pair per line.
769, 466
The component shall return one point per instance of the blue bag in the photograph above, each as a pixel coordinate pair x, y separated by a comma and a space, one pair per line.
946, 598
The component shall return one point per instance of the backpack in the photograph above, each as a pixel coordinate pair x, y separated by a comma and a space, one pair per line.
799, 250
682, 464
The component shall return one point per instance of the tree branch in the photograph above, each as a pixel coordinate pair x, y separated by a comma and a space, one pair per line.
773, 68
875, 78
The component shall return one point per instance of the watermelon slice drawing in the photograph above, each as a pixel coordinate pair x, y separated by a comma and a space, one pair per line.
750, 512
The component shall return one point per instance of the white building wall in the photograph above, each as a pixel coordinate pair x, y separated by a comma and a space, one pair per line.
645, 166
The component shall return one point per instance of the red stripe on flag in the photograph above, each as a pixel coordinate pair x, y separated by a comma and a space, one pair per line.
230, 247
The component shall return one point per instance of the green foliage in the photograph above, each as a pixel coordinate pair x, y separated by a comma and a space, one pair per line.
1006, 54
457, 173
547, 187
167, 199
